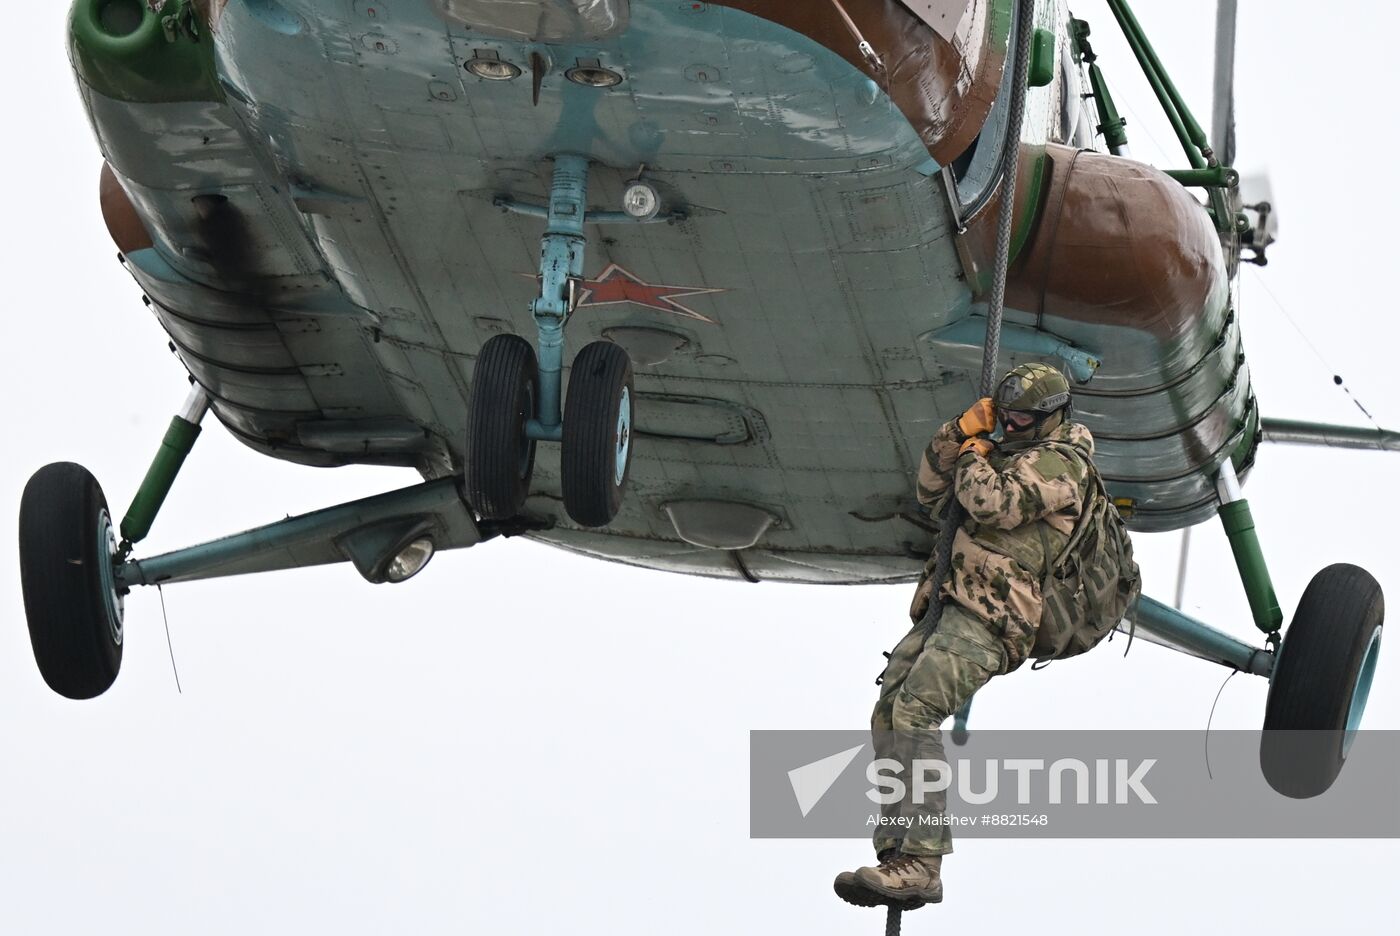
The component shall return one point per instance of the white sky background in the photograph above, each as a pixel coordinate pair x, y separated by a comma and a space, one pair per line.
525, 741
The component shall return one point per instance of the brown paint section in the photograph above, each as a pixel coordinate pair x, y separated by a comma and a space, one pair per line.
945, 90
1114, 242
123, 223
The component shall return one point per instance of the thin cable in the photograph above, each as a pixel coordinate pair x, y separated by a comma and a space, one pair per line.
170, 646
1211, 718
1164, 158
1336, 377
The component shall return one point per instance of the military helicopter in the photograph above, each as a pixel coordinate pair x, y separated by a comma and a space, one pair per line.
368, 227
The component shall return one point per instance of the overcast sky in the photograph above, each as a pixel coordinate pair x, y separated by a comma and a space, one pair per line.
520, 740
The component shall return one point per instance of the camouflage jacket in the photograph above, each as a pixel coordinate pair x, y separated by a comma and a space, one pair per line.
1022, 503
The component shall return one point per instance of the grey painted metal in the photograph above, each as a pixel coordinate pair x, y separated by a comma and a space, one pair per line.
310, 539
971, 332
1182, 562
562, 250
1165, 625
950, 188
370, 266
532, 210
1324, 434
549, 21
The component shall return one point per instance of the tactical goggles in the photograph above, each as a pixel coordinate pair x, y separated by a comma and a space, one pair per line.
1017, 420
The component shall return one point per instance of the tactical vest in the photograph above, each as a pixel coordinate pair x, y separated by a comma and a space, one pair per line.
1032, 545
1028, 546
1088, 579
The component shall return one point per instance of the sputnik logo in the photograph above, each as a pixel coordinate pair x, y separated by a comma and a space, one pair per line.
811, 782
616, 285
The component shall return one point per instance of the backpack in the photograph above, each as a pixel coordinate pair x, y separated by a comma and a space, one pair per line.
1090, 586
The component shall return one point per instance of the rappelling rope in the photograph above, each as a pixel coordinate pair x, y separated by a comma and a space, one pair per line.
893, 921
952, 515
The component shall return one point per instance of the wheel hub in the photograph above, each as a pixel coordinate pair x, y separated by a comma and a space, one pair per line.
1362, 690
624, 436
112, 594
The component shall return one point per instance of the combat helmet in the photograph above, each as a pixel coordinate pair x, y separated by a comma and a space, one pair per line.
1028, 398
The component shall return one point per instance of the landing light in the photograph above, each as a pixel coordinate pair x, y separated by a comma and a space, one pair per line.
410, 560
640, 201
488, 65
593, 75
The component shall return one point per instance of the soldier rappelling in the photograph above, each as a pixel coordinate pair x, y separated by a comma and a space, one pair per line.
1041, 567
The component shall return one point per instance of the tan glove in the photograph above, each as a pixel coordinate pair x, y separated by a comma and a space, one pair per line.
980, 446
980, 417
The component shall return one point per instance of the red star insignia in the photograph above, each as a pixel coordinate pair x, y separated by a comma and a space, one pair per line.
616, 285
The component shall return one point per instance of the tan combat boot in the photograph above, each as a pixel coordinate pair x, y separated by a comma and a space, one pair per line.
907, 881
849, 888
905, 878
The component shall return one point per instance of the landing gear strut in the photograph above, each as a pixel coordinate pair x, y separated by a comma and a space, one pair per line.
1323, 666
70, 558
1320, 670
517, 398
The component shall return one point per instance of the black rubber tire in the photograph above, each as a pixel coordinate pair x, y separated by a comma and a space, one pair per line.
1310, 693
66, 602
500, 458
601, 379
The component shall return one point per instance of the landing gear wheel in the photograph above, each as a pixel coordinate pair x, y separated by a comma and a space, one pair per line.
67, 556
597, 433
500, 457
1321, 680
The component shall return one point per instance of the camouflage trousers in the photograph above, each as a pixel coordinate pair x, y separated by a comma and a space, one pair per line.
928, 678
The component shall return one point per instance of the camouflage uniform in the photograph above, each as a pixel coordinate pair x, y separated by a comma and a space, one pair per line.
1022, 503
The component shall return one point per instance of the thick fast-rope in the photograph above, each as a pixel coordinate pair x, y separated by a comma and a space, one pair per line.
952, 515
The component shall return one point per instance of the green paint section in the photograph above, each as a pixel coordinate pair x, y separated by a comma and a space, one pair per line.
1193, 138
1213, 177
1249, 558
1030, 196
1111, 124
999, 15
1031, 206
123, 50
1043, 59
179, 440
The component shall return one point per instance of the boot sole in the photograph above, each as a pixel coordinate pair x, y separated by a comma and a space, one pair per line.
897, 899
859, 895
